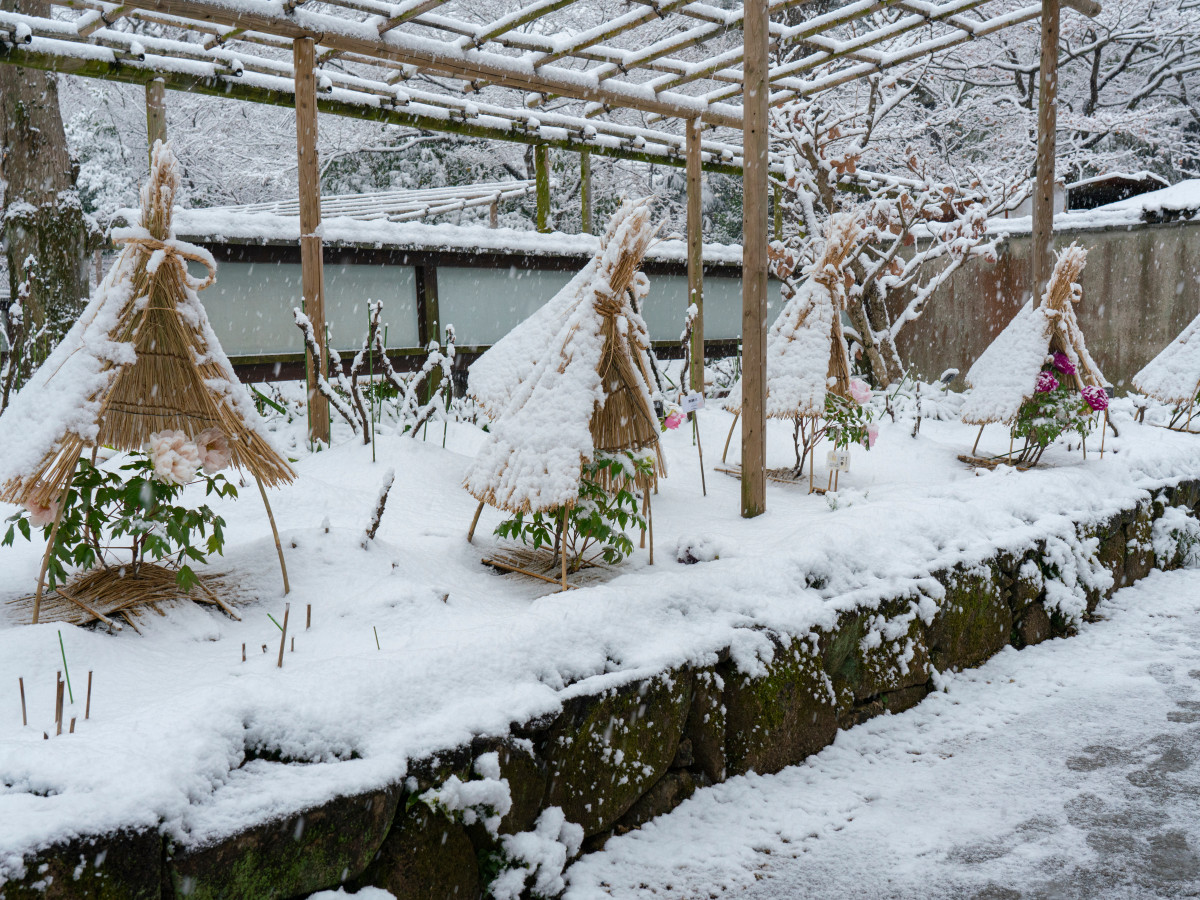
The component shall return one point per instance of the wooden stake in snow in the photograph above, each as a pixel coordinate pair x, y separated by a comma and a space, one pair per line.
243, 652
58, 704
287, 608
24, 717
376, 630
308, 618
72, 728
389, 478
87, 710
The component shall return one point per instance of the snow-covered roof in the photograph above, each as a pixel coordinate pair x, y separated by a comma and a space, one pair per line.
220, 226
1179, 201
1174, 375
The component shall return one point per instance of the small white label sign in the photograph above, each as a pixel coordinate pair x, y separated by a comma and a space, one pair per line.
691, 402
838, 460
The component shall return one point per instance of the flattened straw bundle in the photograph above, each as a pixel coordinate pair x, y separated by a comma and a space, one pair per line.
156, 364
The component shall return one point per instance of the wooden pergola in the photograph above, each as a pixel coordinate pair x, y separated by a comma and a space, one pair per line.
658, 81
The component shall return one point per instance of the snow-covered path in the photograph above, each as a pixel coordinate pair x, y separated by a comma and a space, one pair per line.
1067, 770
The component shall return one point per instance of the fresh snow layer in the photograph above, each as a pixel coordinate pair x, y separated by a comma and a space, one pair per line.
1006, 372
464, 651
1066, 770
1174, 375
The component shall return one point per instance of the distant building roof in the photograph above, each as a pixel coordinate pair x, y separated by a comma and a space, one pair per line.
1111, 188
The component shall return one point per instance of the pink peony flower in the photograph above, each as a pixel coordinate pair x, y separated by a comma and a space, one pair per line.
214, 450
1063, 364
674, 420
1095, 397
41, 516
872, 435
859, 391
175, 458
1046, 382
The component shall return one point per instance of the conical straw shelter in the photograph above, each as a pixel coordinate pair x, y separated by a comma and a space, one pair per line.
1173, 376
142, 358
1006, 373
569, 381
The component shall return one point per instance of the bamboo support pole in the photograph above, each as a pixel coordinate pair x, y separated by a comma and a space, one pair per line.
311, 247
699, 451
275, 534
729, 437
474, 522
58, 704
509, 567
24, 716
695, 250
754, 259
777, 209
308, 617
1042, 258
563, 548
585, 191
541, 175
72, 729
87, 710
975, 446
156, 112
650, 526
287, 608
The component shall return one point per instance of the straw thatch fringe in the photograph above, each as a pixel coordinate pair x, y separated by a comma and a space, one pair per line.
177, 378
1173, 376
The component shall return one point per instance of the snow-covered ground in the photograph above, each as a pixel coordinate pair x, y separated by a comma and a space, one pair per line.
463, 651
1066, 770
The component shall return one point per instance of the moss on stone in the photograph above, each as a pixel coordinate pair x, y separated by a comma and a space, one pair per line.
705, 727
316, 849
973, 621
777, 719
125, 865
606, 750
426, 856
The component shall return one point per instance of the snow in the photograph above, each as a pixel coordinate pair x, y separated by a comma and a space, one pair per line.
1174, 375
1063, 770
1006, 372
1178, 200
185, 736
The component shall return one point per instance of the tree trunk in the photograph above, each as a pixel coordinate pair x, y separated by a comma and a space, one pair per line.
49, 236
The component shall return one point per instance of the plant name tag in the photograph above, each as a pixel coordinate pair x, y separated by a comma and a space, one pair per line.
838, 460
691, 402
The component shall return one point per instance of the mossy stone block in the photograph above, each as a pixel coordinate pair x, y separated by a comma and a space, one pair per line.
607, 749
310, 851
1033, 627
871, 652
1113, 546
973, 621
667, 793
426, 856
777, 718
1139, 553
527, 778
124, 865
705, 728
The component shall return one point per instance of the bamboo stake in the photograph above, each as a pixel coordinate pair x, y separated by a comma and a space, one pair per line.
58, 704
1103, 432
700, 451
63, 651
275, 533
563, 553
24, 717
729, 436
650, 526
496, 564
308, 618
975, 446
243, 652
293, 645
287, 608
376, 630
72, 729
474, 522
87, 711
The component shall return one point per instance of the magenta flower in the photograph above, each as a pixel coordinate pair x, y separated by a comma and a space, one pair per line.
1046, 382
1063, 364
1095, 397
674, 420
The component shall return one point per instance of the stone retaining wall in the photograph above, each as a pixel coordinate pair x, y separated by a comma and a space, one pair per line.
614, 760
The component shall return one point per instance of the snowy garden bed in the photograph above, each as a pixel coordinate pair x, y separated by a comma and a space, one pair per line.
611, 702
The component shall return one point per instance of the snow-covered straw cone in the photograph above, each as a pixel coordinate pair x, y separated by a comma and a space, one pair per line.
141, 360
1173, 377
570, 380
1006, 373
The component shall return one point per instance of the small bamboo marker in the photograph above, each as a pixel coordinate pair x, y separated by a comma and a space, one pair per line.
87, 711
308, 618
58, 704
376, 630
275, 534
293, 645
243, 652
72, 729
24, 716
474, 522
287, 608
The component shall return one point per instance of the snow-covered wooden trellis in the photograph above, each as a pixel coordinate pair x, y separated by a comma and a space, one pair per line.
141, 359
498, 79
1008, 373
1173, 377
569, 382
807, 355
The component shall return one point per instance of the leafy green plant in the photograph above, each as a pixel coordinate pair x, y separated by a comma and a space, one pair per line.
608, 503
847, 421
1055, 409
126, 518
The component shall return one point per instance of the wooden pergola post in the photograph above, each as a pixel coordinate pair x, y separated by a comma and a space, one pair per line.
311, 252
541, 174
585, 190
156, 112
754, 258
695, 249
1042, 250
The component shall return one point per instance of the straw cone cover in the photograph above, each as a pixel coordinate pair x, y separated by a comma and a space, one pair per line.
1174, 375
1005, 375
141, 358
568, 380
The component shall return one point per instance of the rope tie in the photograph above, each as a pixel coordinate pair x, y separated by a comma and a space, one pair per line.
178, 253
